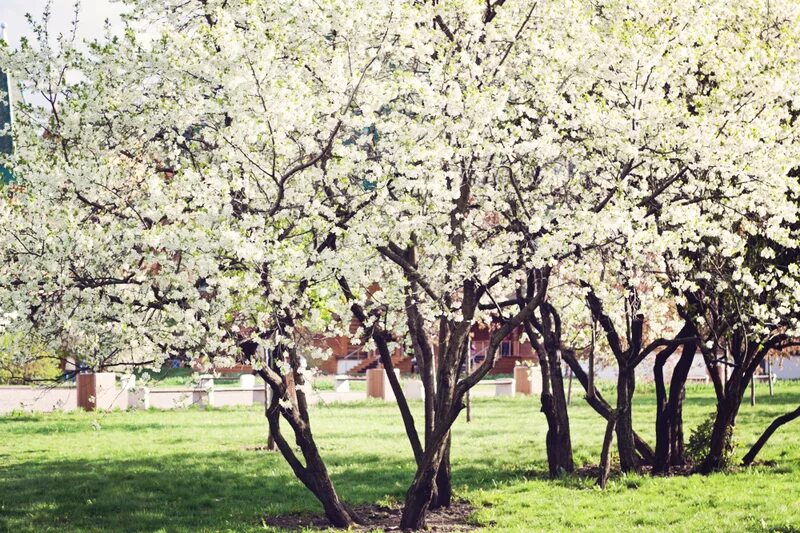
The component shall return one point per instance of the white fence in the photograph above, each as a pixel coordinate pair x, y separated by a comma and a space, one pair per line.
101, 391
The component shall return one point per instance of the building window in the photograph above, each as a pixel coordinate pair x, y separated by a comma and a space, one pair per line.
505, 349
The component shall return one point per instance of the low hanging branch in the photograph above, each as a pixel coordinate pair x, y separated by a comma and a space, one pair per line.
762, 440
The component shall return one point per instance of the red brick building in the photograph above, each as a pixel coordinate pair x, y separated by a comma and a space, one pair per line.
349, 358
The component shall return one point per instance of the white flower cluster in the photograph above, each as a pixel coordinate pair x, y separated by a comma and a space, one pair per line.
261, 166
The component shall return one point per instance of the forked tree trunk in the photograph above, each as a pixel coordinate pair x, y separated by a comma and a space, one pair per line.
747, 355
603, 408
314, 475
762, 440
554, 402
450, 390
288, 401
420, 493
669, 410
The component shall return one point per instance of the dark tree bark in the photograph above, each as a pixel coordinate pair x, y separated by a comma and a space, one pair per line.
628, 359
450, 391
443, 490
626, 383
419, 494
288, 402
662, 453
553, 398
669, 409
746, 357
602, 407
605, 455
677, 395
724, 422
762, 440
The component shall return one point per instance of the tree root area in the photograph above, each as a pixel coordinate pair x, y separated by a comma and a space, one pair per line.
376, 517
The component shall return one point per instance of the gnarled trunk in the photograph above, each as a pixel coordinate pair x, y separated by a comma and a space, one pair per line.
420, 493
314, 475
554, 408
669, 410
603, 408
553, 397
559, 445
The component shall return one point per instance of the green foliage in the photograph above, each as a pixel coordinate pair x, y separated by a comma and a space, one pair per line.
23, 361
699, 444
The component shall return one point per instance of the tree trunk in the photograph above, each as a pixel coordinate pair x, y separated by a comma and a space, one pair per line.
420, 493
762, 440
559, 447
314, 475
554, 408
443, 493
677, 456
602, 407
271, 446
553, 398
625, 442
605, 455
381, 341
288, 401
561, 442
662, 456
720, 436
669, 411
677, 393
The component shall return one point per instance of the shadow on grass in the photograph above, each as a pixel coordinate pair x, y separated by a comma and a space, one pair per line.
170, 489
176, 492
190, 492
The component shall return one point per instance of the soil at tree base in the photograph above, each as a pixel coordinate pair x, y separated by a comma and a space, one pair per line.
380, 517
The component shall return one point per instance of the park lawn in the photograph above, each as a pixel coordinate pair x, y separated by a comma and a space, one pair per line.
190, 470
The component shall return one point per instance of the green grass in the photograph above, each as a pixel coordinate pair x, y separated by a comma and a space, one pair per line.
168, 377
190, 471
325, 383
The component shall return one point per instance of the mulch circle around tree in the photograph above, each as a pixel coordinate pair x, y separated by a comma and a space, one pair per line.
380, 517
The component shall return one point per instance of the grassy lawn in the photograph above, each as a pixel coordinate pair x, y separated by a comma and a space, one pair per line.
183, 377
190, 470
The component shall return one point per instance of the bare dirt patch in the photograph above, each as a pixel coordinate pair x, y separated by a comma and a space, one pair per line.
379, 517
593, 471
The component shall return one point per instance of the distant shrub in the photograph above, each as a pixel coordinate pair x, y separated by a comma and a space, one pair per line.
22, 362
